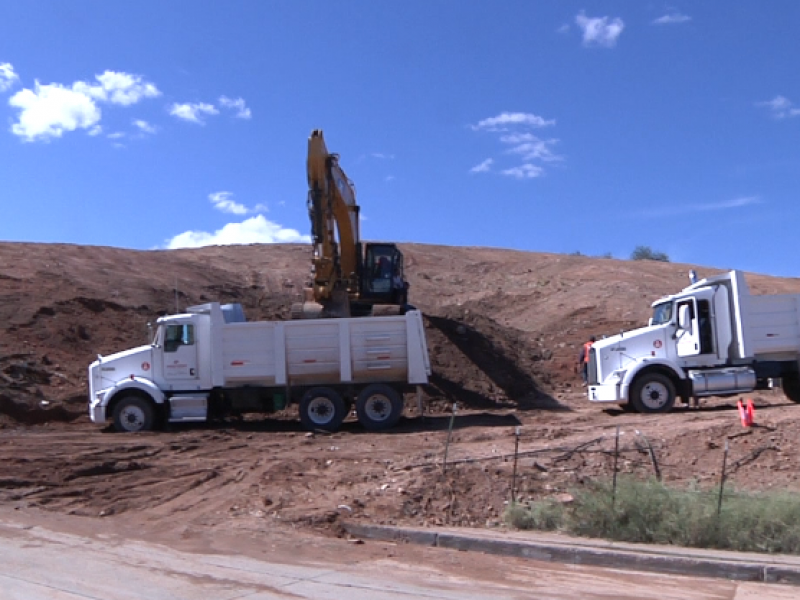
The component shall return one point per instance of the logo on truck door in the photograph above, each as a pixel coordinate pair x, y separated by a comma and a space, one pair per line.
657, 344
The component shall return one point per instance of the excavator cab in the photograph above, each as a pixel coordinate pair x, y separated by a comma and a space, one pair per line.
382, 277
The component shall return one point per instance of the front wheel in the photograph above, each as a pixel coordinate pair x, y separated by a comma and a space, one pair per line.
379, 407
322, 408
132, 414
653, 393
791, 387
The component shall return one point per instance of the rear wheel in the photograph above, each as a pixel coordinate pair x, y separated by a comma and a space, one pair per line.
133, 413
322, 408
791, 387
653, 393
379, 406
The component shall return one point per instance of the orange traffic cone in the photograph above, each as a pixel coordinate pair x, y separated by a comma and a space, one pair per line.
747, 414
751, 412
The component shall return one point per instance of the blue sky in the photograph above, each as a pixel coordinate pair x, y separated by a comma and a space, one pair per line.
542, 126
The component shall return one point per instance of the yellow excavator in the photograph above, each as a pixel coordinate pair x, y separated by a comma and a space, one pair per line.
348, 278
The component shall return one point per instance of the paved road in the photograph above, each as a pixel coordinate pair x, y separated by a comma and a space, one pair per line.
42, 563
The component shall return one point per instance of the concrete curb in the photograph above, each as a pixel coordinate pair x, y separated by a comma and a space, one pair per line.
669, 561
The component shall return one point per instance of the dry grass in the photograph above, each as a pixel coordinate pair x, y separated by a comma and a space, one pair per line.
651, 512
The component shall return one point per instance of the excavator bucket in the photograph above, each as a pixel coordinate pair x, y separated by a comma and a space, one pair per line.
336, 308
386, 310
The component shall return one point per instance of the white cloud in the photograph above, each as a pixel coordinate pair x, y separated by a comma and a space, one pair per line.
563, 29
532, 148
242, 112
526, 171
116, 135
144, 126
7, 77
223, 201
599, 31
255, 230
96, 130
483, 167
672, 18
193, 111
704, 207
382, 156
389, 178
47, 111
505, 120
117, 88
780, 107
513, 129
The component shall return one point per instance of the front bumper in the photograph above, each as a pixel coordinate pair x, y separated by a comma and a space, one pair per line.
97, 408
610, 392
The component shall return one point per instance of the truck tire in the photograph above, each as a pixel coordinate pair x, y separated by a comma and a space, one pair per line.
652, 393
322, 408
791, 387
133, 413
379, 406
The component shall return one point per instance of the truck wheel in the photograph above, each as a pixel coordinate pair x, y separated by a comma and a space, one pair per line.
791, 387
322, 408
379, 406
653, 393
133, 413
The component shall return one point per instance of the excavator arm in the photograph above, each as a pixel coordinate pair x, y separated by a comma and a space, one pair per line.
334, 222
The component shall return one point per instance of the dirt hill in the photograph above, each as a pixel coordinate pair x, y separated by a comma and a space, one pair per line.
504, 326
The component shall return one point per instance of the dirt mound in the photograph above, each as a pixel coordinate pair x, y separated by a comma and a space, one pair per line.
481, 364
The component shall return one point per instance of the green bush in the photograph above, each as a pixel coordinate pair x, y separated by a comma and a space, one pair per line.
651, 512
647, 253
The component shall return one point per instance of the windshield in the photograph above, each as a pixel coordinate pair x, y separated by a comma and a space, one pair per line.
662, 313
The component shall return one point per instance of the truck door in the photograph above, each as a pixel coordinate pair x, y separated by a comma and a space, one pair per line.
180, 355
687, 335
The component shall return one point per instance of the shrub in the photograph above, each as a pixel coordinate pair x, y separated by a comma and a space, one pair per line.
651, 512
647, 253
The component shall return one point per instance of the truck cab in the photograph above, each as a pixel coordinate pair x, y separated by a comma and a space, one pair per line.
711, 339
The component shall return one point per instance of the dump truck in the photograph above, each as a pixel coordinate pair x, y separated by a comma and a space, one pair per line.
712, 339
210, 362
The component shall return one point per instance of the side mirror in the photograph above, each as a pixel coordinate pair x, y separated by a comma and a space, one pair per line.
684, 318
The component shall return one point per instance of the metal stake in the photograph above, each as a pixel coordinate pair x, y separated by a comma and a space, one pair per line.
449, 432
616, 460
652, 455
514, 472
722, 479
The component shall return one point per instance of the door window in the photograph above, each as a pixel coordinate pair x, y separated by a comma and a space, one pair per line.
177, 336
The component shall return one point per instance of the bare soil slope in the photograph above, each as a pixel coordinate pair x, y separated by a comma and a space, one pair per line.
503, 329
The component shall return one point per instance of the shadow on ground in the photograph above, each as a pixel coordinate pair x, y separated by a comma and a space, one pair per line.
508, 366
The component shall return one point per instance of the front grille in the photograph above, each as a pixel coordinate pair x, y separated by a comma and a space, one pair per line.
592, 370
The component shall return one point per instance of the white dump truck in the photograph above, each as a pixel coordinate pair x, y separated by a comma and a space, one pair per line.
210, 362
712, 339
